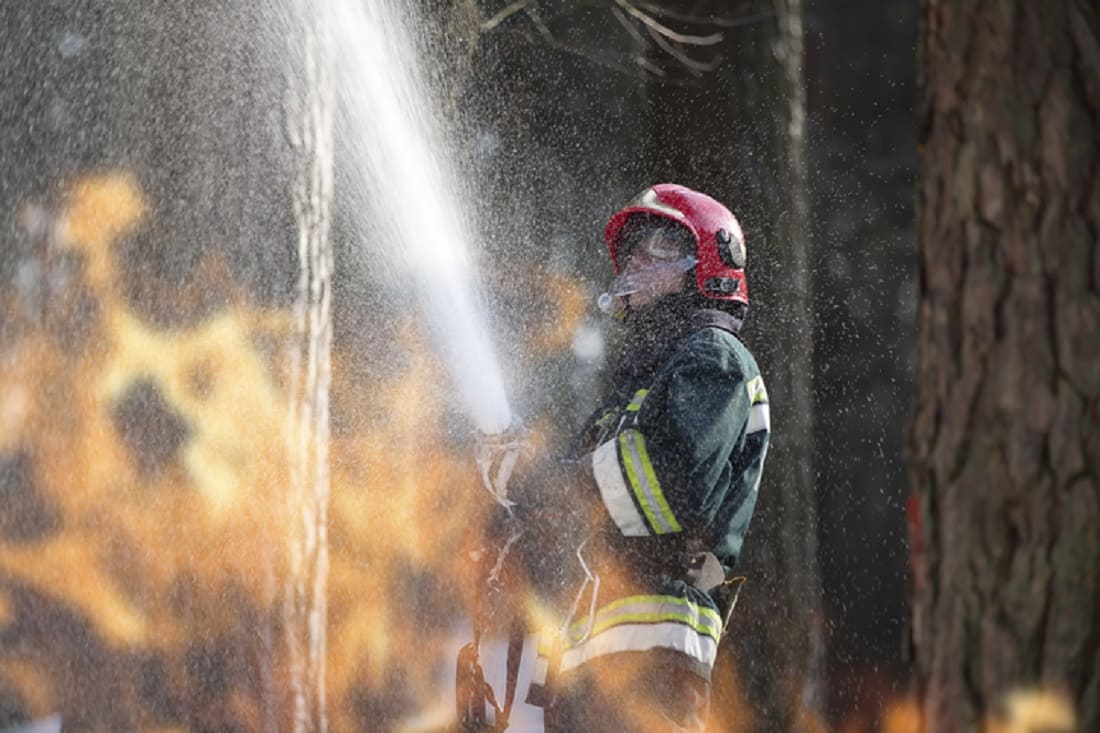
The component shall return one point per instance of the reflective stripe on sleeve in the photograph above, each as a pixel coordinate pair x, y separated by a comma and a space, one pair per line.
759, 413
643, 480
759, 418
651, 609
641, 623
614, 492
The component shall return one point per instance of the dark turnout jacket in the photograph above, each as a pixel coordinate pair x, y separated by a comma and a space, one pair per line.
672, 461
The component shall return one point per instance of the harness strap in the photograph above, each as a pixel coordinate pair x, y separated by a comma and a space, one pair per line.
472, 691
515, 654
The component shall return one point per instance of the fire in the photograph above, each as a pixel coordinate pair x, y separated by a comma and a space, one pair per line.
99, 210
1033, 710
149, 477
902, 716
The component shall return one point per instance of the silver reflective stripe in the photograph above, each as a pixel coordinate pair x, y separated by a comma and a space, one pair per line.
615, 493
644, 480
650, 609
643, 637
640, 623
759, 418
759, 413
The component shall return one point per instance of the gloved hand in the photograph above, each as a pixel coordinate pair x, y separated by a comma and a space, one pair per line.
496, 456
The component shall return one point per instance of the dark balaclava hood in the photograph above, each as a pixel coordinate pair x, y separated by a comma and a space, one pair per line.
650, 334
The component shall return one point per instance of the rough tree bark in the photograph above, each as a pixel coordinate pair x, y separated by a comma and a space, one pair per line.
739, 134
1005, 440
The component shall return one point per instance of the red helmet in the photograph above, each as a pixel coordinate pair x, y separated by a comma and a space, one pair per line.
720, 245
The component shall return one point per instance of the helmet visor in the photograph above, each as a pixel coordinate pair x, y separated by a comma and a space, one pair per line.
654, 239
654, 278
653, 255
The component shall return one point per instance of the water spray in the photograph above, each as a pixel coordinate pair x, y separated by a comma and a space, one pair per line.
410, 194
414, 208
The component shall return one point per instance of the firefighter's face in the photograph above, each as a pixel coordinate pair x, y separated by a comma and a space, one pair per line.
653, 252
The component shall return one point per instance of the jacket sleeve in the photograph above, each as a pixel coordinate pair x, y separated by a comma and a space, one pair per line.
668, 468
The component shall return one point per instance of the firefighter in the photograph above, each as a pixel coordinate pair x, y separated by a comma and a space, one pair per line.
665, 474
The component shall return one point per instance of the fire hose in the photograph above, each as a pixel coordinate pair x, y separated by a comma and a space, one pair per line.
474, 697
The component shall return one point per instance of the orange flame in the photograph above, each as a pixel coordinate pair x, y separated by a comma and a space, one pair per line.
151, 513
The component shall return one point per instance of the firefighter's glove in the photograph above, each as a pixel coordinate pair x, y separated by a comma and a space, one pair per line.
496, 459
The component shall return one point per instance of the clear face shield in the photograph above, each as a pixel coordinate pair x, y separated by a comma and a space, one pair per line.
653, 259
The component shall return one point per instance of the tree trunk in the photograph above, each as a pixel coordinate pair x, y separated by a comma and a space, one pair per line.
1005, 441
309, 111
193, 110
739, 135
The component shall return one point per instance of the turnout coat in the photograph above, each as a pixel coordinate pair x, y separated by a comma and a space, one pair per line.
669, 466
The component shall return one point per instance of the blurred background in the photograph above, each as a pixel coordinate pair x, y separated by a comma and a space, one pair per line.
220, 515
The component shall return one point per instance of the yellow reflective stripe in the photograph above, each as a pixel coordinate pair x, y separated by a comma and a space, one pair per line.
667, 600
652, 609
616, 495
636, 403
550, 640
655, 617
645, 484
642, 638
666, 510
759, 415
628, 462
757, 393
